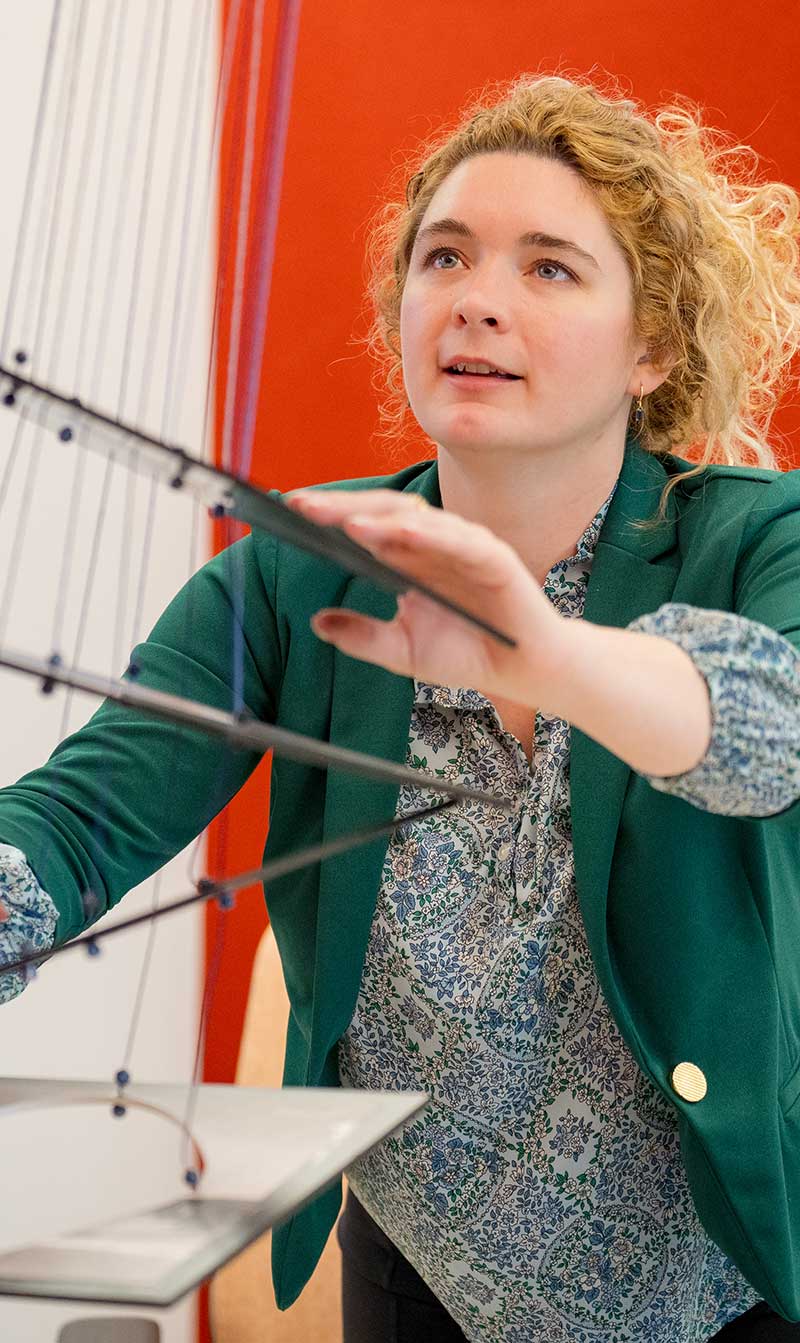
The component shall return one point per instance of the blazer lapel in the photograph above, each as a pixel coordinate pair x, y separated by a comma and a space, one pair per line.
625, 582
370, 712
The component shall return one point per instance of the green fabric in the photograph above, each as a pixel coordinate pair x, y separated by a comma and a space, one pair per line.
692, 918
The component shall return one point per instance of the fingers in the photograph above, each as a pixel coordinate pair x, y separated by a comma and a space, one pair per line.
331, 506
447, 542
362, 637
392, 525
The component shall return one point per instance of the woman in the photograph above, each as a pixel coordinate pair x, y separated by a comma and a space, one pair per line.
596, 991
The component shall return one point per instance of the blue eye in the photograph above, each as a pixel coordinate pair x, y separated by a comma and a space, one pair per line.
557, 265
437, 252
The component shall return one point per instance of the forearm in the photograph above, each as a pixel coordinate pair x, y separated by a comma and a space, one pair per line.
637, 694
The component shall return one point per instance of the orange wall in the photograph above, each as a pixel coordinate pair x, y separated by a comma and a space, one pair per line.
371, 81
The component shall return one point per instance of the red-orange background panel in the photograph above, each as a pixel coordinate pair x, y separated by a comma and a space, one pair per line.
371, 82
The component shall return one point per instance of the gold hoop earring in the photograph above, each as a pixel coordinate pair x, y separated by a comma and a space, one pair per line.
638, 414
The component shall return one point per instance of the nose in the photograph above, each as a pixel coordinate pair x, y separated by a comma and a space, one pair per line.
476, 306
482, 299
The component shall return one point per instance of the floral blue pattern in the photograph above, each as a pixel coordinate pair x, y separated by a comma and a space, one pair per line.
31, 924
752, 765
541, 1193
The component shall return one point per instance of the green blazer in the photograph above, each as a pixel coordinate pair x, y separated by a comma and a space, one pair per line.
693, 919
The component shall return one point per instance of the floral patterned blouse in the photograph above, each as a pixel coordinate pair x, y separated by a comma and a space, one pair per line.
541, 1192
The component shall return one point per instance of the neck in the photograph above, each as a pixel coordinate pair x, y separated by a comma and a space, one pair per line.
540, 505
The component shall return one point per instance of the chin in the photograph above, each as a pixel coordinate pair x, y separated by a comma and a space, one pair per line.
467, 426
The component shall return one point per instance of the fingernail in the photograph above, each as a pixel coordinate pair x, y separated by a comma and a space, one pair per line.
323, 626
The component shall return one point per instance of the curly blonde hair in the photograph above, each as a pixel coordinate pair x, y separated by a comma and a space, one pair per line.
712, 252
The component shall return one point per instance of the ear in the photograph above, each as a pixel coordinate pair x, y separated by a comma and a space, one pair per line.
649, 374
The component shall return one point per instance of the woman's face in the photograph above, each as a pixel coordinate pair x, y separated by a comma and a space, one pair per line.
478, 289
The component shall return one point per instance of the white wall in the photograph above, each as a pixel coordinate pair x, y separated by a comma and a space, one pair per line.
73, 1020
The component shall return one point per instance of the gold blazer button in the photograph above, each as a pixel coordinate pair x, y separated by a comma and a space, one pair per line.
689, 1081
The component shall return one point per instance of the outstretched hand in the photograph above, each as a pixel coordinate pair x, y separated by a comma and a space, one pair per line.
462, 560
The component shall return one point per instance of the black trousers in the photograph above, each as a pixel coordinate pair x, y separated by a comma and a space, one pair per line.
384, 1300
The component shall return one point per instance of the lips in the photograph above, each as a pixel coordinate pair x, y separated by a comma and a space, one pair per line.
473, 380
486, 377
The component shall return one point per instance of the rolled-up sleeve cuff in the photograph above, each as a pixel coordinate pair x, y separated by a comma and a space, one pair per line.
752, 764
31, 925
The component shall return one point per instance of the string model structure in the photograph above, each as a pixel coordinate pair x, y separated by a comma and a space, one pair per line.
114, 460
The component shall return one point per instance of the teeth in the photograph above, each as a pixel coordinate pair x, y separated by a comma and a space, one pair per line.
476, 368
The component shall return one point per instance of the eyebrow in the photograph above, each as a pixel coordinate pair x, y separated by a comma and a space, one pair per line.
536, 239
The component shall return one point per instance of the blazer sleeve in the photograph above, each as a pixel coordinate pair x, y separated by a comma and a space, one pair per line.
122, 795
750, 659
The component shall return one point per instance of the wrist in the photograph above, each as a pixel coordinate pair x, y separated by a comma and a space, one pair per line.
555, 662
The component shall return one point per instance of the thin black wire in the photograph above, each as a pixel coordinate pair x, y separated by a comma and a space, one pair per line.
223, 87
76, 220
209, 990
79, 205
144, 562
22, 519
269, 192
44, 208
71, 73
73, 514
80, 196
123, 579
178, 365
144, 973
91, 574
109, 118
33, 164
144, 202
12, 459
191, 76
131, 477
66, 98
195, 848
132, 474
240, 246
112, 270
